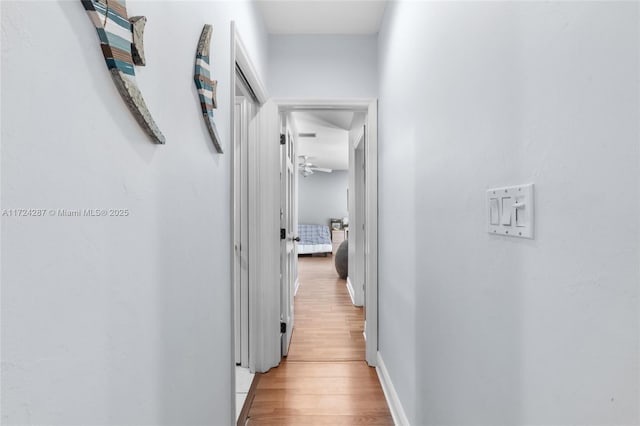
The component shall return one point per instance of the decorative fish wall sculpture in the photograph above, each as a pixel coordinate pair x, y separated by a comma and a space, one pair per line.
121, 40
206, 86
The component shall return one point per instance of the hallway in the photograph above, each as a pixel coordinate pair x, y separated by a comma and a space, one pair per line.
324, 380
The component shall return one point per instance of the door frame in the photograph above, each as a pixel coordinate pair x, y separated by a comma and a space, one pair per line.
240, 58
264, 218
240, 227
370, 106
356, 278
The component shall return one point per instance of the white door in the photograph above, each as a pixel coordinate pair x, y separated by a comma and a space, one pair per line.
288, 231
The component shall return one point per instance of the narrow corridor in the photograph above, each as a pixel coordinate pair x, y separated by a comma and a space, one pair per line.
325, 379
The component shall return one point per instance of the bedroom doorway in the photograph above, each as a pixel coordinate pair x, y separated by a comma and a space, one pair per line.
349, 173
329, 324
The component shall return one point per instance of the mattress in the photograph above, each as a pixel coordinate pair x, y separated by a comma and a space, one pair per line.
314, 239
314, 248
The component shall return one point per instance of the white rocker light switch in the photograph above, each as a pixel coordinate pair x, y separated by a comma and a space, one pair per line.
494, 211
506, 211
511, 211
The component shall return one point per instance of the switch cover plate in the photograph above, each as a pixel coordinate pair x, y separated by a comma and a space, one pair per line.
510, 211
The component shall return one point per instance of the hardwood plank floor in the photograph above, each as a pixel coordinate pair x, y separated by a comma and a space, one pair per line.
325, 379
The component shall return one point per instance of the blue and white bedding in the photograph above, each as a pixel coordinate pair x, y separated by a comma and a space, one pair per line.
314, 239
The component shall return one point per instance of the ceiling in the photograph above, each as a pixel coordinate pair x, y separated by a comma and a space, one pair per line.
322, 16
330, 148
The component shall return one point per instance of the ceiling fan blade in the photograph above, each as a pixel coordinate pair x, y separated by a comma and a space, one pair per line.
320, 169
306, 165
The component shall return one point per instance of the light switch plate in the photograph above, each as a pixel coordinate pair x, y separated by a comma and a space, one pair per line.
515, 211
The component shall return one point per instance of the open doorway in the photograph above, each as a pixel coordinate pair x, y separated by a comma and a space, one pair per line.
328, 327
270, 281
358, 122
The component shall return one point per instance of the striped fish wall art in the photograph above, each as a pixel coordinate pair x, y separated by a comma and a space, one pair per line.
121, 41
206, 87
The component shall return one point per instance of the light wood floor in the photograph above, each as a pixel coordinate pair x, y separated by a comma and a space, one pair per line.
325, 379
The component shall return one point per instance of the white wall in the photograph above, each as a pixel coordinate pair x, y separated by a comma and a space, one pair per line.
478, 329
115, 320
323, 196
323, 66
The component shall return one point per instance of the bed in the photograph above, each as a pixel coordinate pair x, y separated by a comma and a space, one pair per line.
314, 239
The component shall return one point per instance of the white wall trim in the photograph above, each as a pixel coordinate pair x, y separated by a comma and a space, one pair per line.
232, 230
241, 57
357, 208
350, 290
390, 394
297, 286
371, 229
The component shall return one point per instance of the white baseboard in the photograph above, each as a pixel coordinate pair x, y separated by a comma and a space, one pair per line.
295, 291
350, 290
390, 394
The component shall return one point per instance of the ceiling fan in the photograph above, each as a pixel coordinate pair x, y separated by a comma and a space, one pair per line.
307, 168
